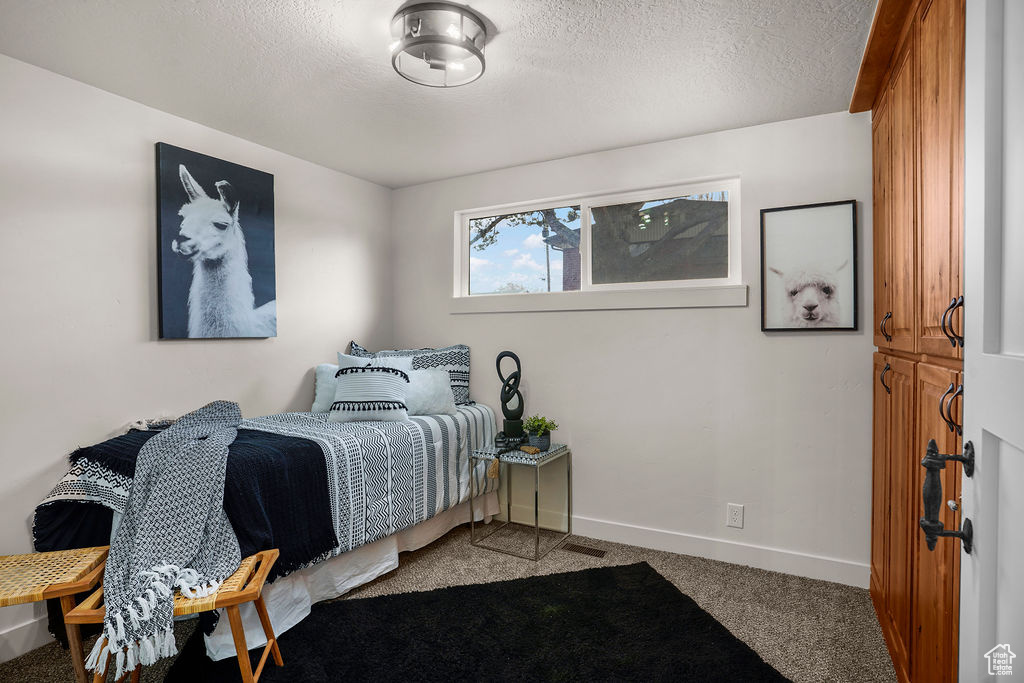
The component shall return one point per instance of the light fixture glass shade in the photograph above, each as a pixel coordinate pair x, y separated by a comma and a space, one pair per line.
438, 44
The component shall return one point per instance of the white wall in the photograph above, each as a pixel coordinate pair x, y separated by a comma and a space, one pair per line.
79, 353
673, 413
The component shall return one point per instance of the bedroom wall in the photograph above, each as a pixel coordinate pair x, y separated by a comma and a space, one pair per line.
672, 413
79, 351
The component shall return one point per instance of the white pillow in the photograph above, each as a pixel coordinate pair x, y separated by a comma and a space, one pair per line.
429, 392
324, 383
370, 394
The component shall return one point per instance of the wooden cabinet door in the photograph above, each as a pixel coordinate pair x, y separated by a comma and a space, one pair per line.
880, 479
936, 573
940, 92
882, 251
903, 201
902, 524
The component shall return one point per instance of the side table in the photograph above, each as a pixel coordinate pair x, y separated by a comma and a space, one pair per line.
520, 458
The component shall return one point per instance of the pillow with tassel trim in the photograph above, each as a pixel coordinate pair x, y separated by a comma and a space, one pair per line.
370, 394
452, 359
324, 383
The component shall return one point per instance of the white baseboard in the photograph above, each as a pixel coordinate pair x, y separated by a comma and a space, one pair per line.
763, 557
17, 640
523, 514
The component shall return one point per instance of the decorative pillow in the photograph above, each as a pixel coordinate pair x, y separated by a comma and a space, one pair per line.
370, 393
403, 363
324, 383
430, 393
453, 359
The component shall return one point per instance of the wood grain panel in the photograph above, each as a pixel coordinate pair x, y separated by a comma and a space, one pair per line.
886, 27
903, 212
882, 252
879, 479
940, 228
933, 644
902, 523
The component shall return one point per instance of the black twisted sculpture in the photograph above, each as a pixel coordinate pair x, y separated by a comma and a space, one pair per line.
511, 400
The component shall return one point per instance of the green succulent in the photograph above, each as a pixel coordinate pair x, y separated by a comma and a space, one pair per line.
538, 424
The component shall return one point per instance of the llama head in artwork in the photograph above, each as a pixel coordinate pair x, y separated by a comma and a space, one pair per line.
209, 227
811, 295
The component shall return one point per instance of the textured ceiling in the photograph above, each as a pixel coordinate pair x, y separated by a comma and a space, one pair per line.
313, 78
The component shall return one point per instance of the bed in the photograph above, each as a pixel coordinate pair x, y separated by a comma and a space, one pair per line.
341, 500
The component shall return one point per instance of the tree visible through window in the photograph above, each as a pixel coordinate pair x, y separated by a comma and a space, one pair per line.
683, 238
532, 251
658, 238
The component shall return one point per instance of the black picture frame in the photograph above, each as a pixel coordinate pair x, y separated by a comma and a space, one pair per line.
226, 209
804, 250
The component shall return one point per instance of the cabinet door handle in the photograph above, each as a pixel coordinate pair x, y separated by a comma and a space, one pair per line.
942, 406
881, 378
881, 327
957, 338
953, 424
944, 323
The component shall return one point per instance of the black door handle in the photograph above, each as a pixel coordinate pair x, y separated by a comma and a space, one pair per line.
953, 424
931, 491
881, 327
957, 338
944, 323
942, 406
881, 378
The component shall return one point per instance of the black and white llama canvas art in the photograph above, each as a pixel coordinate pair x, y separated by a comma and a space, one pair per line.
809, 267
215, 231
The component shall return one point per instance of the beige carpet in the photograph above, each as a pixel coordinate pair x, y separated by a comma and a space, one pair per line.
809, 630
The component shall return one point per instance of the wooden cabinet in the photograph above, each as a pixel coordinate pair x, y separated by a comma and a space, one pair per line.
917, 152
892, 538
936, 572
940, 89
881, 189
902, 325
880, 479
917, 140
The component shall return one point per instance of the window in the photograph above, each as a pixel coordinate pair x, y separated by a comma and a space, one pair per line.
673, 238
527, 251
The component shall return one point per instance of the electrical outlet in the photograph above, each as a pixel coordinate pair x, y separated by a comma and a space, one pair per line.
734, 515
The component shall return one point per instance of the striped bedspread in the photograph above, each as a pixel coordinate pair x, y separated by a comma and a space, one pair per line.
382, 476
388, 476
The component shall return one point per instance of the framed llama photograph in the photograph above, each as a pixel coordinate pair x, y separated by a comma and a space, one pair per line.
215, 247
809, 267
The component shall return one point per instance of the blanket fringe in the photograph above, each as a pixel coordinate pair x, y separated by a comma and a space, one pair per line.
144, 652
148, 649
93, 661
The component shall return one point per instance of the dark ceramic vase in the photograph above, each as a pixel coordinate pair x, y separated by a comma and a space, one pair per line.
542, 442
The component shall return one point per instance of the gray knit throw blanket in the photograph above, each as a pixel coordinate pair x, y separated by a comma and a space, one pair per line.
174, 534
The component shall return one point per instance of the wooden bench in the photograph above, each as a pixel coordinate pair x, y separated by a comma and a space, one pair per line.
245, 585
58, 574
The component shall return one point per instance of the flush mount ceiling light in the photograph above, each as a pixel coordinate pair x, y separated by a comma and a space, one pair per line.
438, 44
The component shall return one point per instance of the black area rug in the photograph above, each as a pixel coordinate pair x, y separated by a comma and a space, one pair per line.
611, 623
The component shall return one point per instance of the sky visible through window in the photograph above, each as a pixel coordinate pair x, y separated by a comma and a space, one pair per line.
518, 260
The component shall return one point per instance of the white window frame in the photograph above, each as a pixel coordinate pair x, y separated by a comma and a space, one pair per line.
713, 292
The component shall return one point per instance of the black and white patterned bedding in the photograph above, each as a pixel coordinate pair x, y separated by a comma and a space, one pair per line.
382, 476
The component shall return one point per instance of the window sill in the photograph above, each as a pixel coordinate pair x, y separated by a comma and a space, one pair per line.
718, 296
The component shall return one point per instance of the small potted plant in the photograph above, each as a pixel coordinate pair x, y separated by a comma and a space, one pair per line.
538, 429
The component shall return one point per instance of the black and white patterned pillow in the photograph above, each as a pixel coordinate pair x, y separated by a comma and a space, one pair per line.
370, 393
453, 359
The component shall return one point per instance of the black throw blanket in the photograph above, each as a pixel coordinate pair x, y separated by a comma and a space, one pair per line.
276, 496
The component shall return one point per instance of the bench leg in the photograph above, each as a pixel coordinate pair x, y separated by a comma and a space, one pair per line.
238, 633
268, 630
67, 603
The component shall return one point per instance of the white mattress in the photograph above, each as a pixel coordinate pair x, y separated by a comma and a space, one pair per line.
290, 598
